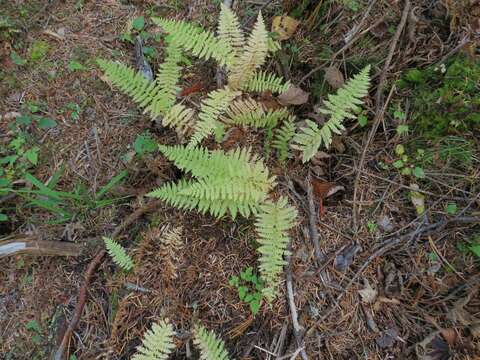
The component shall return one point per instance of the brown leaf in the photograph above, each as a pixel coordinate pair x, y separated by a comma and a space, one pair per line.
368, 294
334, 77
388, 338
284, 26
338, 144
269, 101
321, 188
449, 335
293, 96
231, 138
343, 260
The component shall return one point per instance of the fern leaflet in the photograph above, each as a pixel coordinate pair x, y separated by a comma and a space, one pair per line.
180, 117
211, 347
264, 81
216, 104
338, 106
282, 138
199, 42
118, 254
157, 343
272, 225
251, 113
252, 57
229, 29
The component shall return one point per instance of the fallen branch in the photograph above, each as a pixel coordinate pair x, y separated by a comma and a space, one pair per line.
312, 217
82, 297
380, 106
31, 246
62, 351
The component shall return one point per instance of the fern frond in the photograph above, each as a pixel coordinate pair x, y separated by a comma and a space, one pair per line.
282, 138
272, 225
253, 55
166, 81
338, 106
118, 254
234, 182
199, 42
229, 29
170, 250
156, 97
265, 81
211, 108
211, 347
180, 118
248, 112
157, 343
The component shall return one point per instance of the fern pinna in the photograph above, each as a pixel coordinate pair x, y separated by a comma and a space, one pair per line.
157, 342
339, 106
118, 254
211, 347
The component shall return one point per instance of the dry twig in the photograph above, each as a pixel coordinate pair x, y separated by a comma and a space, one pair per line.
380, 106
62, 351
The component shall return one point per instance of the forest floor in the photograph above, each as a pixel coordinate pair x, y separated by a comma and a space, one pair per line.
396, 199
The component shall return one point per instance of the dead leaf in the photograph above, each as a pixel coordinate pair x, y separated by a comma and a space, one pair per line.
231, 138
322, 190
385, 224
450, 336
317, 170
345, 258
338, 144
334, 77
458, 314
269, 101
293, 96
284, 26
388, 338
433, 347
368, 294
380, 30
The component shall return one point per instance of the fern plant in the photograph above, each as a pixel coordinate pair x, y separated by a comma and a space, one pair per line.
157, 343
211, 347
338, 106
118, 254
235, 182
241, 56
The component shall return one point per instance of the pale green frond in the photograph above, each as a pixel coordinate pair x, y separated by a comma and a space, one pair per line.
216, 104
253, 56
201, 43
211, 347
156, 97
338, 106
157, 343
264, 81
167, 81
282, 138
229, 29
180, 118
235, 182
248, 112
273, 223
118, 254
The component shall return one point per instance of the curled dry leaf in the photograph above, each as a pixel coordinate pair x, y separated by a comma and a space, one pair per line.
387, 338
231, 138
345, 258
293, 96
324, 189
334, 77
368, 294
284, 26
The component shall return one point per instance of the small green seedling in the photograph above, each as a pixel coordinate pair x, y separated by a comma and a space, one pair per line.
371, 226
249, 287
404, 164
144, 144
